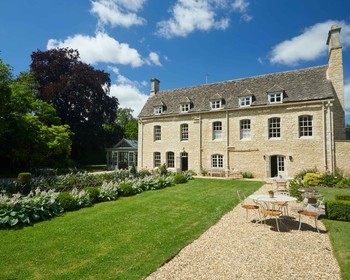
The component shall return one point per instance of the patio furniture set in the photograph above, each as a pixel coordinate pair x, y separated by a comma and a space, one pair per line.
275, 204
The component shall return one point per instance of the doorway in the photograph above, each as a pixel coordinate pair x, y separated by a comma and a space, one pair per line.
277, 165
184, 161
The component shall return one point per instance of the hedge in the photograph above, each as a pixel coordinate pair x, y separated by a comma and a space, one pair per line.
338, 210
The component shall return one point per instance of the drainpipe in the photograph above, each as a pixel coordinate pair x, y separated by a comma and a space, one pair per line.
324, 137
227, 144
141, 147
330, 116
200, 144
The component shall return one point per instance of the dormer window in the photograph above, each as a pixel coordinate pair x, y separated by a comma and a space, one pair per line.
215, 104
275, 97
157, 110
245, 101
184, 108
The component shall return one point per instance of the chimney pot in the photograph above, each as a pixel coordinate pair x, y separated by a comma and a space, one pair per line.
154, 86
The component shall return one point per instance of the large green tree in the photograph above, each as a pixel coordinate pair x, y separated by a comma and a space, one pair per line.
31, 133
80, 94
127, 123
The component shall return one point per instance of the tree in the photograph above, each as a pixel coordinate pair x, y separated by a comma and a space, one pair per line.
5, 95
80, 94
127, 122
33, 134
131, 129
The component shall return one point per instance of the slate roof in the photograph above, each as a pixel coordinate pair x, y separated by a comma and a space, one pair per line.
126, 144
298, 85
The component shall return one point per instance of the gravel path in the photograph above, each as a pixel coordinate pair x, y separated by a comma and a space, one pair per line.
235, 248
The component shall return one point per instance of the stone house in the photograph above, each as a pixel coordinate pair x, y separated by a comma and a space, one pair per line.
269, 125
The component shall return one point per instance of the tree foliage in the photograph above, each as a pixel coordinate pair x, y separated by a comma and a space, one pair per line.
127, 122
31, 133
80, 94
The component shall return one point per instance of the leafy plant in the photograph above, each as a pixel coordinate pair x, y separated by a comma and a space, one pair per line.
312, 179
67, 201
93, 193
180, 179
247, 175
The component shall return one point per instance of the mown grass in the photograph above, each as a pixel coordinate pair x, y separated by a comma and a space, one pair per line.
339, 233
124, 239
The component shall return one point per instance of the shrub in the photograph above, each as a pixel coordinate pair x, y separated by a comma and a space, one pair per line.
342, 197
94, 194
204, 172
343, 183
301, 174
67, 201
294, 186
247, 175
108, 191
126, 189
180, 178
312, 179
24, 178
338, 210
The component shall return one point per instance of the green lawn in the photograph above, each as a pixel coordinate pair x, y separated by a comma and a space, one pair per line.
339, 233
124, 239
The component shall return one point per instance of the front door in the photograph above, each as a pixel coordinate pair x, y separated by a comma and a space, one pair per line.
277, 166
184, 161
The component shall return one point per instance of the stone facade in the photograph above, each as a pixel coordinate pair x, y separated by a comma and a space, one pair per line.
264, 137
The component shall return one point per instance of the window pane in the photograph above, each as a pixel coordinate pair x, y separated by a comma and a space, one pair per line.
170, 160
305, 126
184, 132
157, 133
245, 129
217, 130
157, 159
274, 128
217, 161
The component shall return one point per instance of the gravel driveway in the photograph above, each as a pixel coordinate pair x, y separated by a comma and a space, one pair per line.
238, 249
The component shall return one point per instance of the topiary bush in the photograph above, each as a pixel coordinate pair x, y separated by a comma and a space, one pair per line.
180, 178
94, 194
126, 189
24, 179
67, 201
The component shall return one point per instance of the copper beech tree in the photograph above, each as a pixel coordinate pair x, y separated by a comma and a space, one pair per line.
81, 96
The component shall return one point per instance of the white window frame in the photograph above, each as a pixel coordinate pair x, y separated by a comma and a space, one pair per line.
245, 129
245, 101
170, 159
217, 130
275, 97
274, 128
158, 110
305, 123
157, 133
157, 160
184, 132
184, 108
216, 104
217, 161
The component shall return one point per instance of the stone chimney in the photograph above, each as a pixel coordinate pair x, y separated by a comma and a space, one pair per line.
336, 75
154, 86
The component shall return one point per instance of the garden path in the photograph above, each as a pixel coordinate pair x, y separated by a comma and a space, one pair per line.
238, 249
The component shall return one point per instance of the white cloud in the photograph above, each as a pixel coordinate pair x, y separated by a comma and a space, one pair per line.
117, 12
128, 92
240, 5
190, 15
101, 48
153, 58
308, 46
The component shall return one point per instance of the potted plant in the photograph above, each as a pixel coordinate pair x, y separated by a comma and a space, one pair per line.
271, 193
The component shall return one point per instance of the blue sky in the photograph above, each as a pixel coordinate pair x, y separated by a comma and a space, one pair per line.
180, 42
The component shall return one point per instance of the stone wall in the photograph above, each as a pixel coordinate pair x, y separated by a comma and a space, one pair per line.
342, 158
244, 155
